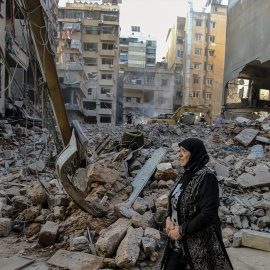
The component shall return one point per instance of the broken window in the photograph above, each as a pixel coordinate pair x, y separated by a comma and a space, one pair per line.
90, 91
89, 105
89, 61
264, 94
237, 90
105, 105
128, 99
105, 119
107, 61
179, 54
138, 100
198, 37
180, 40
198, 22
105, 91
92, 47
198, 51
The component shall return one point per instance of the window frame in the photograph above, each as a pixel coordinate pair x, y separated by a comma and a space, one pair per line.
200, 51
195, 94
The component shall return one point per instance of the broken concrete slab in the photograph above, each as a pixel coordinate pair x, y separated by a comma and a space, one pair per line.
15, 262
254, 239
48, 233
110, 238
37, 194
38, 166
5, 226
246, 136
247, 180
222, 170
129, 249
75, 260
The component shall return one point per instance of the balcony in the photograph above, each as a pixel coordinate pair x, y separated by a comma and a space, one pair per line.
19, 56
106, 82
89, 112
132, 105
106, 96
139, 86
105, 111
106, 67
69, 67
106, 53
107, 37
73, 107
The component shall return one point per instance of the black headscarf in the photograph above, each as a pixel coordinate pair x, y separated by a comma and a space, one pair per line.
199, 156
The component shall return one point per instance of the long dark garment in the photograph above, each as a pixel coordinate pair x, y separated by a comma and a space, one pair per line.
198, 218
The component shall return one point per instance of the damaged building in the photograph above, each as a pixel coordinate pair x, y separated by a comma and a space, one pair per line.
87, 59
246, 89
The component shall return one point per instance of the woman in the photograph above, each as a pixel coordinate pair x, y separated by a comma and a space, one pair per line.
192, 224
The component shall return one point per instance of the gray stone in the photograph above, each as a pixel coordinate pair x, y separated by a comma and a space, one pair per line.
245, 222
21, 202
239, 165
148, 245
58, 200
129, 249
136, 166
222, 170
236, 220
154, 184
160, 216
226, 242
5, 226
254, 239
230, 182
229, 159
262, 222
139, 221
259, 213
151, 219
227, 233
140, 205
124, 210
152, 233
262, 204
162, 184
238, 209
81, 243
237, 239
48, 233
38, 166
8, 154
12, 192
246, 136
110, 238
59, 212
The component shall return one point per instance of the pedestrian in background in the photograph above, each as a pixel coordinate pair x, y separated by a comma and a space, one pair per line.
129, 117
192, 223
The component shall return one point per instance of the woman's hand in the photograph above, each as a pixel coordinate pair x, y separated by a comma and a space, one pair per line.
174, 233
169, 225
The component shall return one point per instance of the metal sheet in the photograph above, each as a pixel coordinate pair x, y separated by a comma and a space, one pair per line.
145, 173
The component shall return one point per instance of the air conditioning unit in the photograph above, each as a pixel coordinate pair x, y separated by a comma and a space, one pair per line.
191, 67
101, 21
115, 46
111, 66
190, 95
115, 9
79, 19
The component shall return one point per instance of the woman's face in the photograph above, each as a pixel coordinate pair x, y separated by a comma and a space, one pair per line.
184, 156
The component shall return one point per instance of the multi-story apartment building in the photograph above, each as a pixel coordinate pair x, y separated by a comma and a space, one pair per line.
148, 92
246, 90
175, 58
205, 55
87, 59
136, 51
15, 68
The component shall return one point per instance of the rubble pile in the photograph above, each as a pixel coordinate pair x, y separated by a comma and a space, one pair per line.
34, 206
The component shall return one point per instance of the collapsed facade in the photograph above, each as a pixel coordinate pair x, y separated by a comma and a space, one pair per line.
246, 87
87, 59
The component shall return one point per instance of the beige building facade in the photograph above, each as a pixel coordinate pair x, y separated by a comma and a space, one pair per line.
205, 56
87, 59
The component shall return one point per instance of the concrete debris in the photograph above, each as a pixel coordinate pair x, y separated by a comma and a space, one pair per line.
34, 204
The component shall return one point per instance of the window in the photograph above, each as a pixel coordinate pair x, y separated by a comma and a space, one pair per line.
106, 76
150, 79
105, 105
123, 58
212, 39
61, 79
180, 40
209, 82
91, 15
108, 30
212, 25
91, 30
179, 54
107, 61
214, 8
195, 94
128, 99
208, 95
211, 52
198, 22
135, 28
105, 119
198, 51
162, 100
92, 47
109, 17
105, 91
197, 66
164, 82
106, 46
90, 91
210, 67
138, 100
89, 61
198, 37
196, 80
264, 94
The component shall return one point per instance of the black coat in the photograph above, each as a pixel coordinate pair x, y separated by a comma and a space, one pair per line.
198, 218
